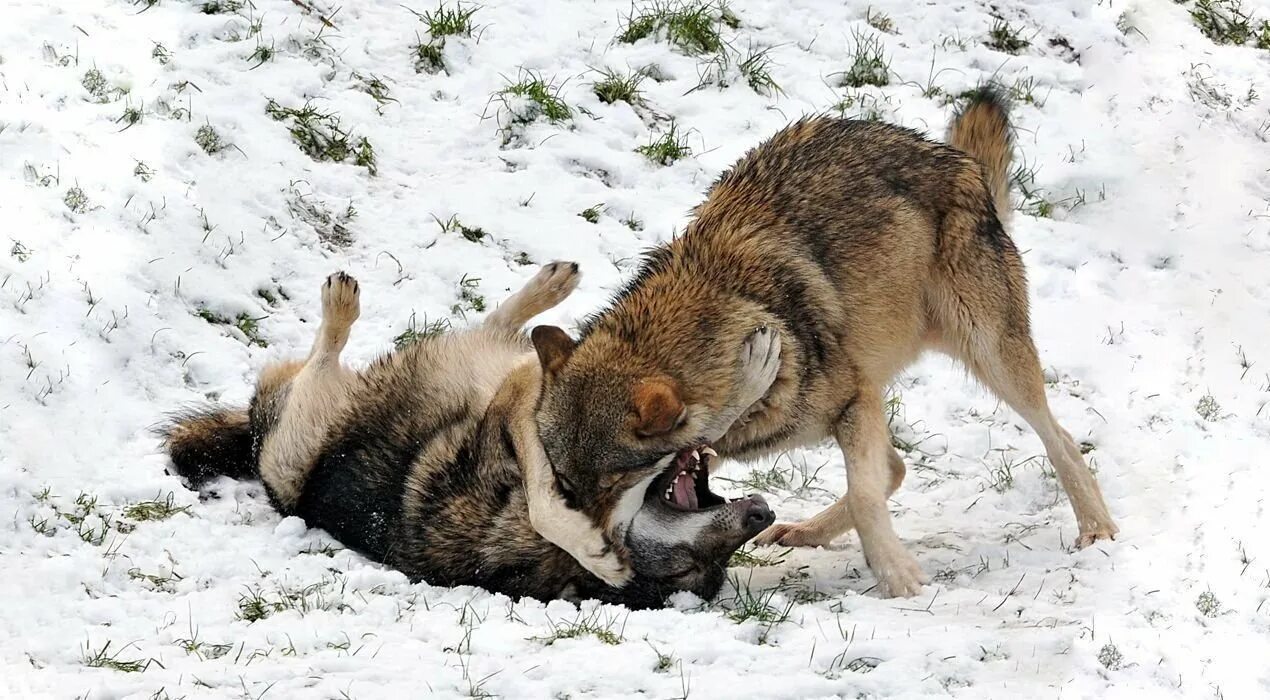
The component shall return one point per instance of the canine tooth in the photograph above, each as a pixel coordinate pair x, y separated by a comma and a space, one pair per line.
707, 450
696, 456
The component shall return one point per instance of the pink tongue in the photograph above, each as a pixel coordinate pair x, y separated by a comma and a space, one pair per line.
685, 494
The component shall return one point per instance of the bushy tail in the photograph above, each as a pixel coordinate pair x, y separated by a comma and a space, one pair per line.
981, 128
210, 441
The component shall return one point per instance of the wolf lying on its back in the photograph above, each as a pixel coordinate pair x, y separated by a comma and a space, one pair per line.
862, 244
416, 461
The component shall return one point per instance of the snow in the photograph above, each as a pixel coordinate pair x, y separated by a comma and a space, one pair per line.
1151, 305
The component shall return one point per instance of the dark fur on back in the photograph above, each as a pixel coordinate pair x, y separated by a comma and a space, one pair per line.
430, 487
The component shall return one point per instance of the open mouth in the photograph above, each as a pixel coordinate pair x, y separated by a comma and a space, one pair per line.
686, 483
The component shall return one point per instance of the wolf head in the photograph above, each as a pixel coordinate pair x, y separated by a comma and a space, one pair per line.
625, 451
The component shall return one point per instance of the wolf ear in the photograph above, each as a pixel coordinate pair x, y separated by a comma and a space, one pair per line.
658, 408
554, 347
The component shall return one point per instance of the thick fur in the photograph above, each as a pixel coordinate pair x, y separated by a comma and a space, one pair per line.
863, 244
416, 460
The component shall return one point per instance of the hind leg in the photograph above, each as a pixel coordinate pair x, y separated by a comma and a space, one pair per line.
298, 402
1011, 369
553, 283
980, 310
830, 523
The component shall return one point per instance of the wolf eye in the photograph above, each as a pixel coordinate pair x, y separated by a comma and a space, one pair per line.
692, 569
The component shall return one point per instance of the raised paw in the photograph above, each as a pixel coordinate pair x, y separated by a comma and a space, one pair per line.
792, 535
341, 299
553, 283
760, 361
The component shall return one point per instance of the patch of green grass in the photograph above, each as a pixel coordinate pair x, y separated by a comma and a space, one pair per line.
470, 299
1006, 38
375, 87
332, 227
1208, 408
869, 64
209, 140
154, 509
416, 332
440, 23
1223, 21
321, 136
760, 607
1024, 90
691, 25
102, 658
89, 521
429, 55
665, 662
531, 97
755, 67
20, 251
94, 81
856, 104
1110, 657
244, 322
261, 55
668, 148
592, 214
161, 54
606, 631
1263, 36
614, 86
250, 328
220, 7
161, 582
632, 222
131, 117
749, 558
879, 21
255, 605
446, 21
203, 650
75, 200
1207, 604
474, 234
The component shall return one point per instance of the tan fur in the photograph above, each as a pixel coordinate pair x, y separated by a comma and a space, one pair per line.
863, 245
316, 397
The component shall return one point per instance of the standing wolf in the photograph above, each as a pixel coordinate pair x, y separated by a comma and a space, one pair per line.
860, 245
419, 460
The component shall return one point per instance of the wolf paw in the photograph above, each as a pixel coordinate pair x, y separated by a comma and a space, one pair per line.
899, 575
792, 535
608, 568
760, 361
341, 299
1093, 534
554, 282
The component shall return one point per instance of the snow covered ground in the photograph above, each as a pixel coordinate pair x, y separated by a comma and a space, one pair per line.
139, 271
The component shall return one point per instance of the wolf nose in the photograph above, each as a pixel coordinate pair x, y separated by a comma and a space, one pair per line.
758, 516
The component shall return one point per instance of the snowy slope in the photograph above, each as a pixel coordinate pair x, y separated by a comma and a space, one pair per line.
128, 255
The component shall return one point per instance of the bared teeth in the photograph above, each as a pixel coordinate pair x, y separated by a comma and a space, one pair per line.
696, 456
707, 450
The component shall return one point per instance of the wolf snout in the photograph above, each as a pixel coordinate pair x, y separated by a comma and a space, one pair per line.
756, 515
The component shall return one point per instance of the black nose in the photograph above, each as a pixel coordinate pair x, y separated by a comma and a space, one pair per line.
758, 516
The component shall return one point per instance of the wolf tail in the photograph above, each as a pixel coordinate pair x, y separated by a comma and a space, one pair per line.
981, 128
210, 441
